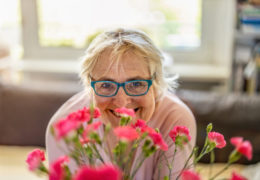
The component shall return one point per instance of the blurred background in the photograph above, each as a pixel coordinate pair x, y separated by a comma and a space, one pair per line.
43, 39
213, 45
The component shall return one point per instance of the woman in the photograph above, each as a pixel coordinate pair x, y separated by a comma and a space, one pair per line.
128, 58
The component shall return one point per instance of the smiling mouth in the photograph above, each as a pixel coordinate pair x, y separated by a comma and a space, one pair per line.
119, 115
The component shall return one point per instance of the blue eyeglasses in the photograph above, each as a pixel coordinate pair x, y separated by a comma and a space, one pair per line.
131, 88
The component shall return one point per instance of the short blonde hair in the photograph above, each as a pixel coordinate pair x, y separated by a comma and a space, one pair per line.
118, 42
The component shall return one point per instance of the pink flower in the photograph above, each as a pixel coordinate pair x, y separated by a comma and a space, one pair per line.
217, 138
126, 132
57, 172
189, 175
139, 124
86, 140
108, 172
90, 128
82, 115
236, 176
96, 113
65, 126
35, 159
180, 131
157, 139
125, 112
243, 147
73, 122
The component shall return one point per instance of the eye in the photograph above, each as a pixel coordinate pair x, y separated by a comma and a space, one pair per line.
137, 84
106, 85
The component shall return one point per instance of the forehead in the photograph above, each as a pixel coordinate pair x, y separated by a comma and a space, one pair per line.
126, 66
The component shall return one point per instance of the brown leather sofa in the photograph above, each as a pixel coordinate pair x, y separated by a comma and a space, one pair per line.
26, 110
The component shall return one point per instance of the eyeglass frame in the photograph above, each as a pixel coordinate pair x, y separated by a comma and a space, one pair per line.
149, 81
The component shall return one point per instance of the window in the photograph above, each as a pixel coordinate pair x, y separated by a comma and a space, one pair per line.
190, 31
73, 23
10, 26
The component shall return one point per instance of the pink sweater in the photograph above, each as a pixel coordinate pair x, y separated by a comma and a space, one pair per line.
170, 111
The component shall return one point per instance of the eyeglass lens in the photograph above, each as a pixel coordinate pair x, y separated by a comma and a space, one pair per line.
131, 88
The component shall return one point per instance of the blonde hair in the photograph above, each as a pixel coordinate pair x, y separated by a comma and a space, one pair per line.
118, 42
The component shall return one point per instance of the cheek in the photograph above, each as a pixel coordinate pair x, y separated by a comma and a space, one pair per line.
148, 104
101, 102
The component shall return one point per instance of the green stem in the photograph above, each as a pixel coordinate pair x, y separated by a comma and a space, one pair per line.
186, 163
133, 150
171, 165
138, 166
221, 171
99, 155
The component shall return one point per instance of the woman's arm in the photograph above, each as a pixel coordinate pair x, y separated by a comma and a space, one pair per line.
179, 115
54, 148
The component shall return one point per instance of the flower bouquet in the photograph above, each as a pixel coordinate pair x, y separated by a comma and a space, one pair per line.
79, 131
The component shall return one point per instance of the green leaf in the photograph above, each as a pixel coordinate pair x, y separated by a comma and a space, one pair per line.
209, 127
157, 130
89, 152
95, 137
123, 121
234, 156
67, 172
166, 178
52, 131
107, 127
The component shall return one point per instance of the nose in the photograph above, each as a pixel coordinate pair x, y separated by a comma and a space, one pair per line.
121, 99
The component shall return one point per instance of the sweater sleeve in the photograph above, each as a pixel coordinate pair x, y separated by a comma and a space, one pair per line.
178, 115
54, 148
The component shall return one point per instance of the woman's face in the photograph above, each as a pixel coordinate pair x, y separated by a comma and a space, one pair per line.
130, 67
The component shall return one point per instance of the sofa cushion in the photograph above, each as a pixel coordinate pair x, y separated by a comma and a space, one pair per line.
25, 113
231, 114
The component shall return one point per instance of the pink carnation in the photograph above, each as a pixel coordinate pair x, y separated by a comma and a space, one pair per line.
92, 127
189, 175
180, 131
107, 172
57, 172
81, 115
96, 113
243, 147
217, 138
125, 112
35, 159
139, 124
236, 176
126, 132
157, 139
65, 126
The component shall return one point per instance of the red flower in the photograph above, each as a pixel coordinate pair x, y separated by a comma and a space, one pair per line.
157, 139
65, 126
180, 131
236, 176
96, 113
126, 132
139, 124
108, 172
92, 127
243, 147
82, 115
217, 138
189, 175
57, 171
125, 112
34, 159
